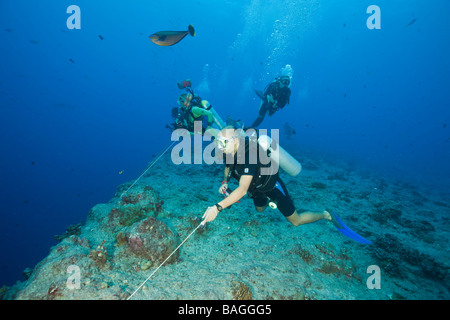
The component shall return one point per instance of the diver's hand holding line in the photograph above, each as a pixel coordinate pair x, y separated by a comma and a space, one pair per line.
210, 214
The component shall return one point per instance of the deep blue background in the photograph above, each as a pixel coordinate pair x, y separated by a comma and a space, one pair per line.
67, 129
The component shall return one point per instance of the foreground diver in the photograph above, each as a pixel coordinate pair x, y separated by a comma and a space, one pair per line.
276, 95
265, 190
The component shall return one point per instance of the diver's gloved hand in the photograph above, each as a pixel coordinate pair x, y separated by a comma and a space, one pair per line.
223, 188
274, 105
272, 102
210, 214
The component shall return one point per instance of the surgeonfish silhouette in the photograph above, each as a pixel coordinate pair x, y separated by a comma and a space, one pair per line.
411, 22
169, 38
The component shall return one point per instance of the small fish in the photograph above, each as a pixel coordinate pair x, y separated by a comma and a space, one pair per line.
100, 36
169, 38
120, 172
71, 60
412, 22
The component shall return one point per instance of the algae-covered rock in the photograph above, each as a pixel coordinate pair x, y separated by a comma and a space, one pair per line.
152, 240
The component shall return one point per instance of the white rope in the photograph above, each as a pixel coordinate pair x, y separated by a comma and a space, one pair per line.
148, 278
153, 163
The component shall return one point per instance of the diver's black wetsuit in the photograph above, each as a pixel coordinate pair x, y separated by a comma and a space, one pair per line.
263, 187
281, 95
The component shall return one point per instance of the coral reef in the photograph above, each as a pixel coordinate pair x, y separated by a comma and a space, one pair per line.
99, 255
70, 231
244, 254
241, 291
152, 240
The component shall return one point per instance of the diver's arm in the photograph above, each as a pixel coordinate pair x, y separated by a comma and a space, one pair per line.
238, 193
212, 212
197, 112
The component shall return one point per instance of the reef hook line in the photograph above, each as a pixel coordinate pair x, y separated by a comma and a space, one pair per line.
152, 164
148, 278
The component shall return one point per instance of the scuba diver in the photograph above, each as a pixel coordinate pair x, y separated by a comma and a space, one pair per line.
191, 108
276, 95
265, 190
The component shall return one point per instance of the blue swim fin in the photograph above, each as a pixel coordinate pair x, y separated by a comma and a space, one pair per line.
346, 231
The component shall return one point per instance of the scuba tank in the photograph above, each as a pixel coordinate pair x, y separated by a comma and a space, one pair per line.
280, 156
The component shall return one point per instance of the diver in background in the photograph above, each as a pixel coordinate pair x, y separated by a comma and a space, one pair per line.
191, 108
275, 97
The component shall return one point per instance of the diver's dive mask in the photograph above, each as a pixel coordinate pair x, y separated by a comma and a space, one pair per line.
222, 142
285, 80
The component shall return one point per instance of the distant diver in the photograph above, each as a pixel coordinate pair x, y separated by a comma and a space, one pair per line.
192, 108
275, 97
169, 38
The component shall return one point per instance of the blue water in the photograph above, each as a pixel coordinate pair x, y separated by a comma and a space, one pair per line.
81, 115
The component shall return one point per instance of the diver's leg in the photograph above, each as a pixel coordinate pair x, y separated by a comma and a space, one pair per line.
261, 114
307, 217
261, 202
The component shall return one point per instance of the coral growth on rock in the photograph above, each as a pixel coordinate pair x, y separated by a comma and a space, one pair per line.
245, 254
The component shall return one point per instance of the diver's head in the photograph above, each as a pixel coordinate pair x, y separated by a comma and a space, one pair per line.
228, 140
285, 81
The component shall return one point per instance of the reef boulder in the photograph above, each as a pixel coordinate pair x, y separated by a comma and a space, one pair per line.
151, 240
